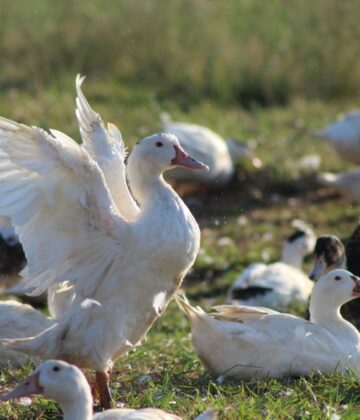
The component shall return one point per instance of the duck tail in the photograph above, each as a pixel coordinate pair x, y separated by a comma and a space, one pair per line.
41, 345
186, 307
209, 414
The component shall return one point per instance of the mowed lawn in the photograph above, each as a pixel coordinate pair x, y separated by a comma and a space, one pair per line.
243, 223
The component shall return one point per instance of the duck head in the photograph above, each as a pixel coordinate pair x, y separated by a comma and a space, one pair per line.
339, 286
329, 253
53, 379
160, 152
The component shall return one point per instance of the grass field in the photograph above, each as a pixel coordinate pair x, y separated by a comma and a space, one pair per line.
270, 71
240, 224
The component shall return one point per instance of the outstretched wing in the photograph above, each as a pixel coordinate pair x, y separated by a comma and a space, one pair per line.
106, 147
60, 206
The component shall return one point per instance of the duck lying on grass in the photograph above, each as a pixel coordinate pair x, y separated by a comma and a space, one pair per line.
124, 254
278, 284
331, 253
347, 183
67, 385
344, 136
248, 342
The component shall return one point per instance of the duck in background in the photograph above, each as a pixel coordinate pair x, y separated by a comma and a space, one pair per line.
278, 284
18, 320
344, 136
209, 147
331, 253
247, 342
347, 183
67, 385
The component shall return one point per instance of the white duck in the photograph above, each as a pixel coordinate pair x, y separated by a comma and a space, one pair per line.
67, 385
348, 183
344, 136
208, 147
278, 284
19, 320
249, 342
124, 261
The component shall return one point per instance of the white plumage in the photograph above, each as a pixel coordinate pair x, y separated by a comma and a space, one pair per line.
278, 284
66, 384
117, 255
19, 320
344, 136
248, 342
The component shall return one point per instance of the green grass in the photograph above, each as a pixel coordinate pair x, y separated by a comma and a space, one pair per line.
216, 64
238, 224
248, 51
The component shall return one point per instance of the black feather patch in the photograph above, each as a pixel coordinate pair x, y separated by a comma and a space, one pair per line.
297, 234
352, 251
250, 292
12, 258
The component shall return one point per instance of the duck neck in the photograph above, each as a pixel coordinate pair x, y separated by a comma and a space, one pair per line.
149, 189
324, 314
79, 408
291, 256
327, 314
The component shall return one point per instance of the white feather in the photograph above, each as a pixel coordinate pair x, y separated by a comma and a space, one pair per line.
106, 147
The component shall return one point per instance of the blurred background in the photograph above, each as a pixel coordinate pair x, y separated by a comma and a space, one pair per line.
272, 72
178, 53
246, 52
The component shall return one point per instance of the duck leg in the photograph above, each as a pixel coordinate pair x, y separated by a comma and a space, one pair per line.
102, 389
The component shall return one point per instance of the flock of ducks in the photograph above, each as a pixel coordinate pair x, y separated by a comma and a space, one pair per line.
124, 241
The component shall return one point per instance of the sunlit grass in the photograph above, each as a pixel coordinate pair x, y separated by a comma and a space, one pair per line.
238, 225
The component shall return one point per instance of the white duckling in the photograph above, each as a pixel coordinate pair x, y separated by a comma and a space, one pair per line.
278, 284
125, 255
347, 183
19, 320
67, 385
208, 147
248, 342
344, 136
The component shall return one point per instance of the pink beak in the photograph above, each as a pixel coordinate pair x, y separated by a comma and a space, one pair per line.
30, 386
183, 159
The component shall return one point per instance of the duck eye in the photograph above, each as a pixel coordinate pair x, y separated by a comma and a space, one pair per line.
56, 369
159, 144
337, 278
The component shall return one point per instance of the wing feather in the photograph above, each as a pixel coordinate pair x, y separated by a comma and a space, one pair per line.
107, 148
60, 206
